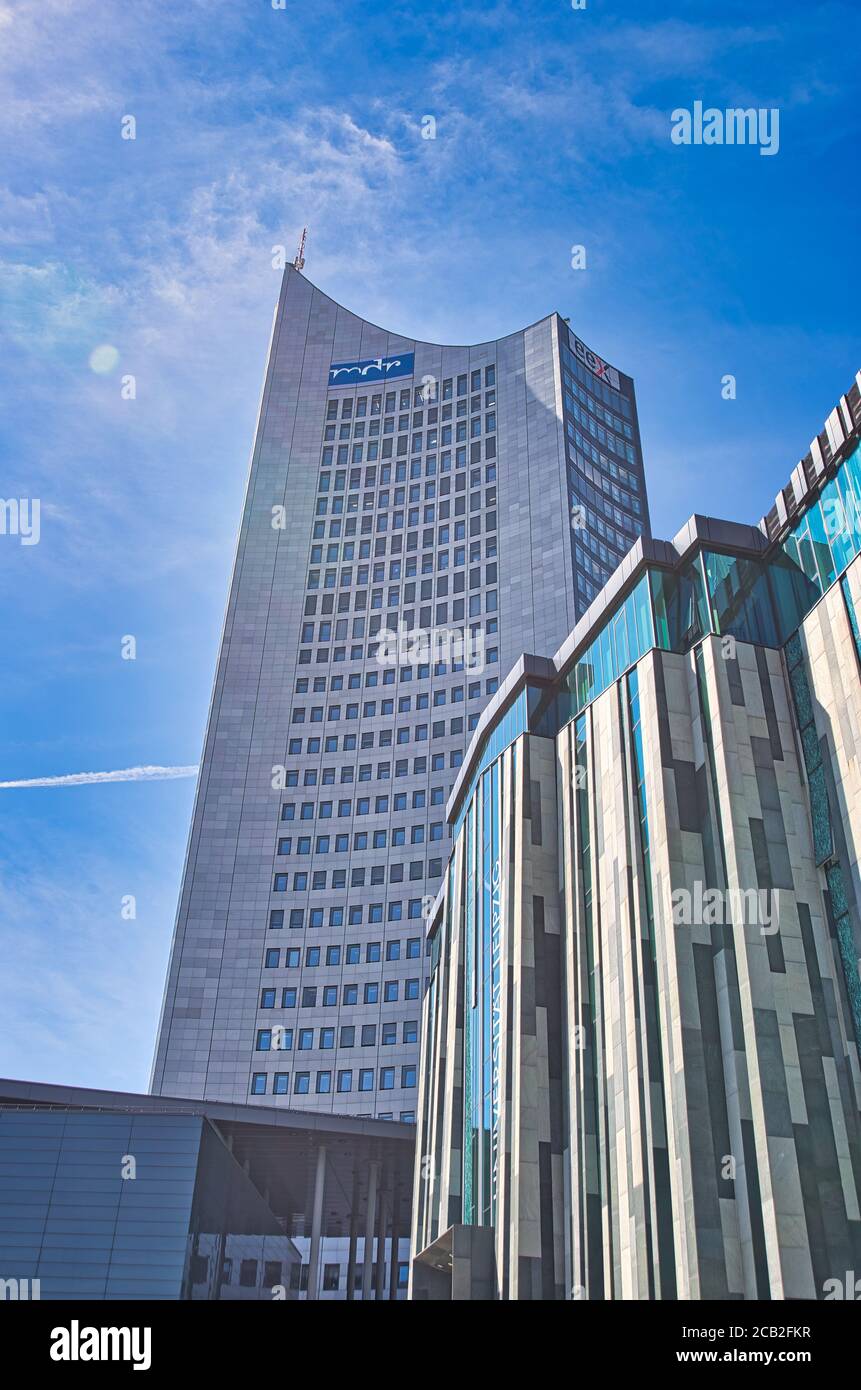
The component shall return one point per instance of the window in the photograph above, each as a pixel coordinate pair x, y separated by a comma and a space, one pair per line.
281, 1084
408, 1077
302, 1083
258, 1083
345, 1081
387, 1078
331, 1278
410, 1031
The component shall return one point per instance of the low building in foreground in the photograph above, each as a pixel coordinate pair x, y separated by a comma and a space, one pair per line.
109, 1195
640, 1052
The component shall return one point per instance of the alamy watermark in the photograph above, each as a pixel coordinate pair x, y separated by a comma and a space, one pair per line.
459, 648
709, 907
734, 126
21, 517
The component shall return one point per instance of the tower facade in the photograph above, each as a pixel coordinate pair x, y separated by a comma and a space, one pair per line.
416, 516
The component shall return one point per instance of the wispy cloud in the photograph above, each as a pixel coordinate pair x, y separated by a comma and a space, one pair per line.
126, 774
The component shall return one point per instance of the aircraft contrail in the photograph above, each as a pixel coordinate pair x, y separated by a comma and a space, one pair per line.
125, 774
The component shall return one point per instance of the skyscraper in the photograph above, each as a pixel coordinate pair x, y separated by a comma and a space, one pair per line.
416, 516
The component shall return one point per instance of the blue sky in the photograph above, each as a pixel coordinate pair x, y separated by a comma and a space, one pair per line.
553, 130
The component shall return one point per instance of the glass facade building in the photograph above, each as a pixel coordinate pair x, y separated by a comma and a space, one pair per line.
640, 1047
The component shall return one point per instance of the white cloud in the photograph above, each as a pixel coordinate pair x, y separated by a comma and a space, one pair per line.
127, 774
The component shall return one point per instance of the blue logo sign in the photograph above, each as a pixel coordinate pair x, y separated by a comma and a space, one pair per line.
372, 369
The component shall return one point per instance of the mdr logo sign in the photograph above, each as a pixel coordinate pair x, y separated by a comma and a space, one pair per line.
371, 369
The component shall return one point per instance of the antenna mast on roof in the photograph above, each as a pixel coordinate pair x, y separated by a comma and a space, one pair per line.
299, 262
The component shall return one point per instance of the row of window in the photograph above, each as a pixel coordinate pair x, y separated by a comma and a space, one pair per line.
281, 1039
427, 620
332, 1272
324, 1079
318, 879
350, 953
433, 433
328, 996
350, 743
346, 550
396, 449
452, 694
308, 810
363, 599
425, 515
365, 771
362, 839
413, 495
359, 428
356, 915
392, 544
384, 738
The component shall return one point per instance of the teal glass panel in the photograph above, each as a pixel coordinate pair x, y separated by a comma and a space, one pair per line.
605, 646
792, 593
853, 616
841, 523
643, 619
512, 724
740, 599
680, 607
620, 640
821, 548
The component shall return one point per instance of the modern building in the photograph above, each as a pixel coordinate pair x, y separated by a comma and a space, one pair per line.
479, 496
108, 1195
640, 1050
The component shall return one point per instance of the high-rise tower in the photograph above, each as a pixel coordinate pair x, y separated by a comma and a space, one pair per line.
480, 496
